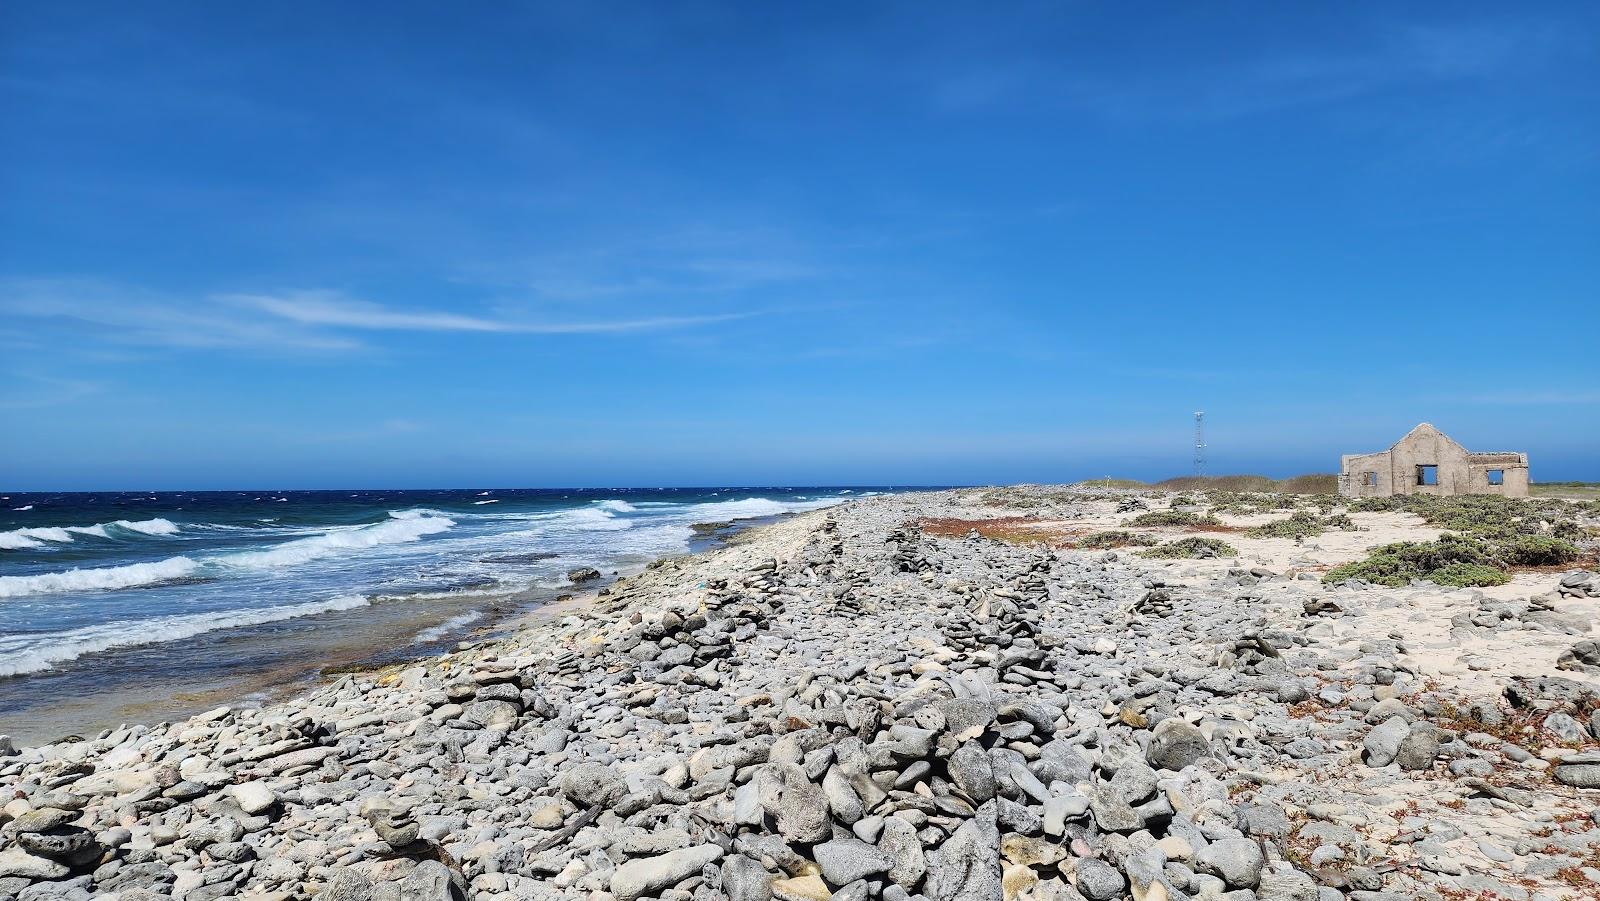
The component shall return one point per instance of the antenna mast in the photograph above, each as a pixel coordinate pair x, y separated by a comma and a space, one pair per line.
1199, 443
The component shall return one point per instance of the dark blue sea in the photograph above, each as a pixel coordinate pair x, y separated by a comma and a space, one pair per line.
117, 590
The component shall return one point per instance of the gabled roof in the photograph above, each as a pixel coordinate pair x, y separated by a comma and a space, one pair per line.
1426, 430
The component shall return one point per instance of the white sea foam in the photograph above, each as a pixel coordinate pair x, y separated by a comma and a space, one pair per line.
445, 628
149, 526
617, 506
101, 579
19, 655
404, 526
490, 501
750, 508
23, 509
17, 539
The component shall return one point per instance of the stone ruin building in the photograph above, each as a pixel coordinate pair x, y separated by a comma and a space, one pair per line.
1427, 461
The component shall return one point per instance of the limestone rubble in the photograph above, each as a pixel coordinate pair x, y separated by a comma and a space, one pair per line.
842, 705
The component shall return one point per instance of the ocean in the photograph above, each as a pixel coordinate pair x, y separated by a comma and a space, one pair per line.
133, 604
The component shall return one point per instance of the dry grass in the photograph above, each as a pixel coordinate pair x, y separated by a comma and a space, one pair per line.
1012, 529
1313, 483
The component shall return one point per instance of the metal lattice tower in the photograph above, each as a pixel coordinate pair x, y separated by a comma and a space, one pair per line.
1199, 443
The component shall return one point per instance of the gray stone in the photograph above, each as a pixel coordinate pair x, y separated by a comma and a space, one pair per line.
1419, 748
1288, 885
1111, 812
1060, 761
68, 844
967, 867
1578, 775
43, 819
346, 885
430, 881
592, 785
900, 842
649, 875
1564, 728
1174, 744
973, 772
16, 862
1383, 742
1236, 861
845, 860
803, 812
1265, 820
254, 797
745, 880
1098, 880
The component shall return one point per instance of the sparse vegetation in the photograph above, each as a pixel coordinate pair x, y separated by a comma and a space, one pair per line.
1317, 483
1114, 539
1303, 524
1456, 560
1191, 548
1014, 529
1488, 537
1156, 518
1109, 482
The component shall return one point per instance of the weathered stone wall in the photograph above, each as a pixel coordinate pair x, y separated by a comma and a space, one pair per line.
1459, 472
1352, 475
1514, 466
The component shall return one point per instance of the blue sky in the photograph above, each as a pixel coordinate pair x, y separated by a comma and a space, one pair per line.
320, 245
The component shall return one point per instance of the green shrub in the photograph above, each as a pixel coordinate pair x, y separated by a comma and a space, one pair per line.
1468, 575
1303, 524
1174, 518
1536, 550
1115, 538
1191, 548
1397, 565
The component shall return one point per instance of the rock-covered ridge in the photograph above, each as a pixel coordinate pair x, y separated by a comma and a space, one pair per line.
844, 707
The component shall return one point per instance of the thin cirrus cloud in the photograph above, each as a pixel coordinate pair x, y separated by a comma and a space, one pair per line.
317, 308
304, 321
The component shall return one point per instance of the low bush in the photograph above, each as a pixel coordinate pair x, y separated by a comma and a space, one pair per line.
1536, 550
1397, 565
1191, 548
1174, 518
1303, 524
1468, 575
1114, 539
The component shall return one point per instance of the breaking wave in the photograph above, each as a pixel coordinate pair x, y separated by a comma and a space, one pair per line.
750, 508
18, 539
101, 579
407, 525
616, 506
445, 628
66, 646
404, 526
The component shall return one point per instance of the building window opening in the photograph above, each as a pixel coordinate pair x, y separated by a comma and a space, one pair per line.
1496, 476
1369, 479
1427, 474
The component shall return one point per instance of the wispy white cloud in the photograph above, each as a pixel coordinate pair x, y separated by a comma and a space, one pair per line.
30, 391
322, 308
296, 320
124, 315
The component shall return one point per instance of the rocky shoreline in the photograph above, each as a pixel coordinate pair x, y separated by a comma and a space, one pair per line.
842, 705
